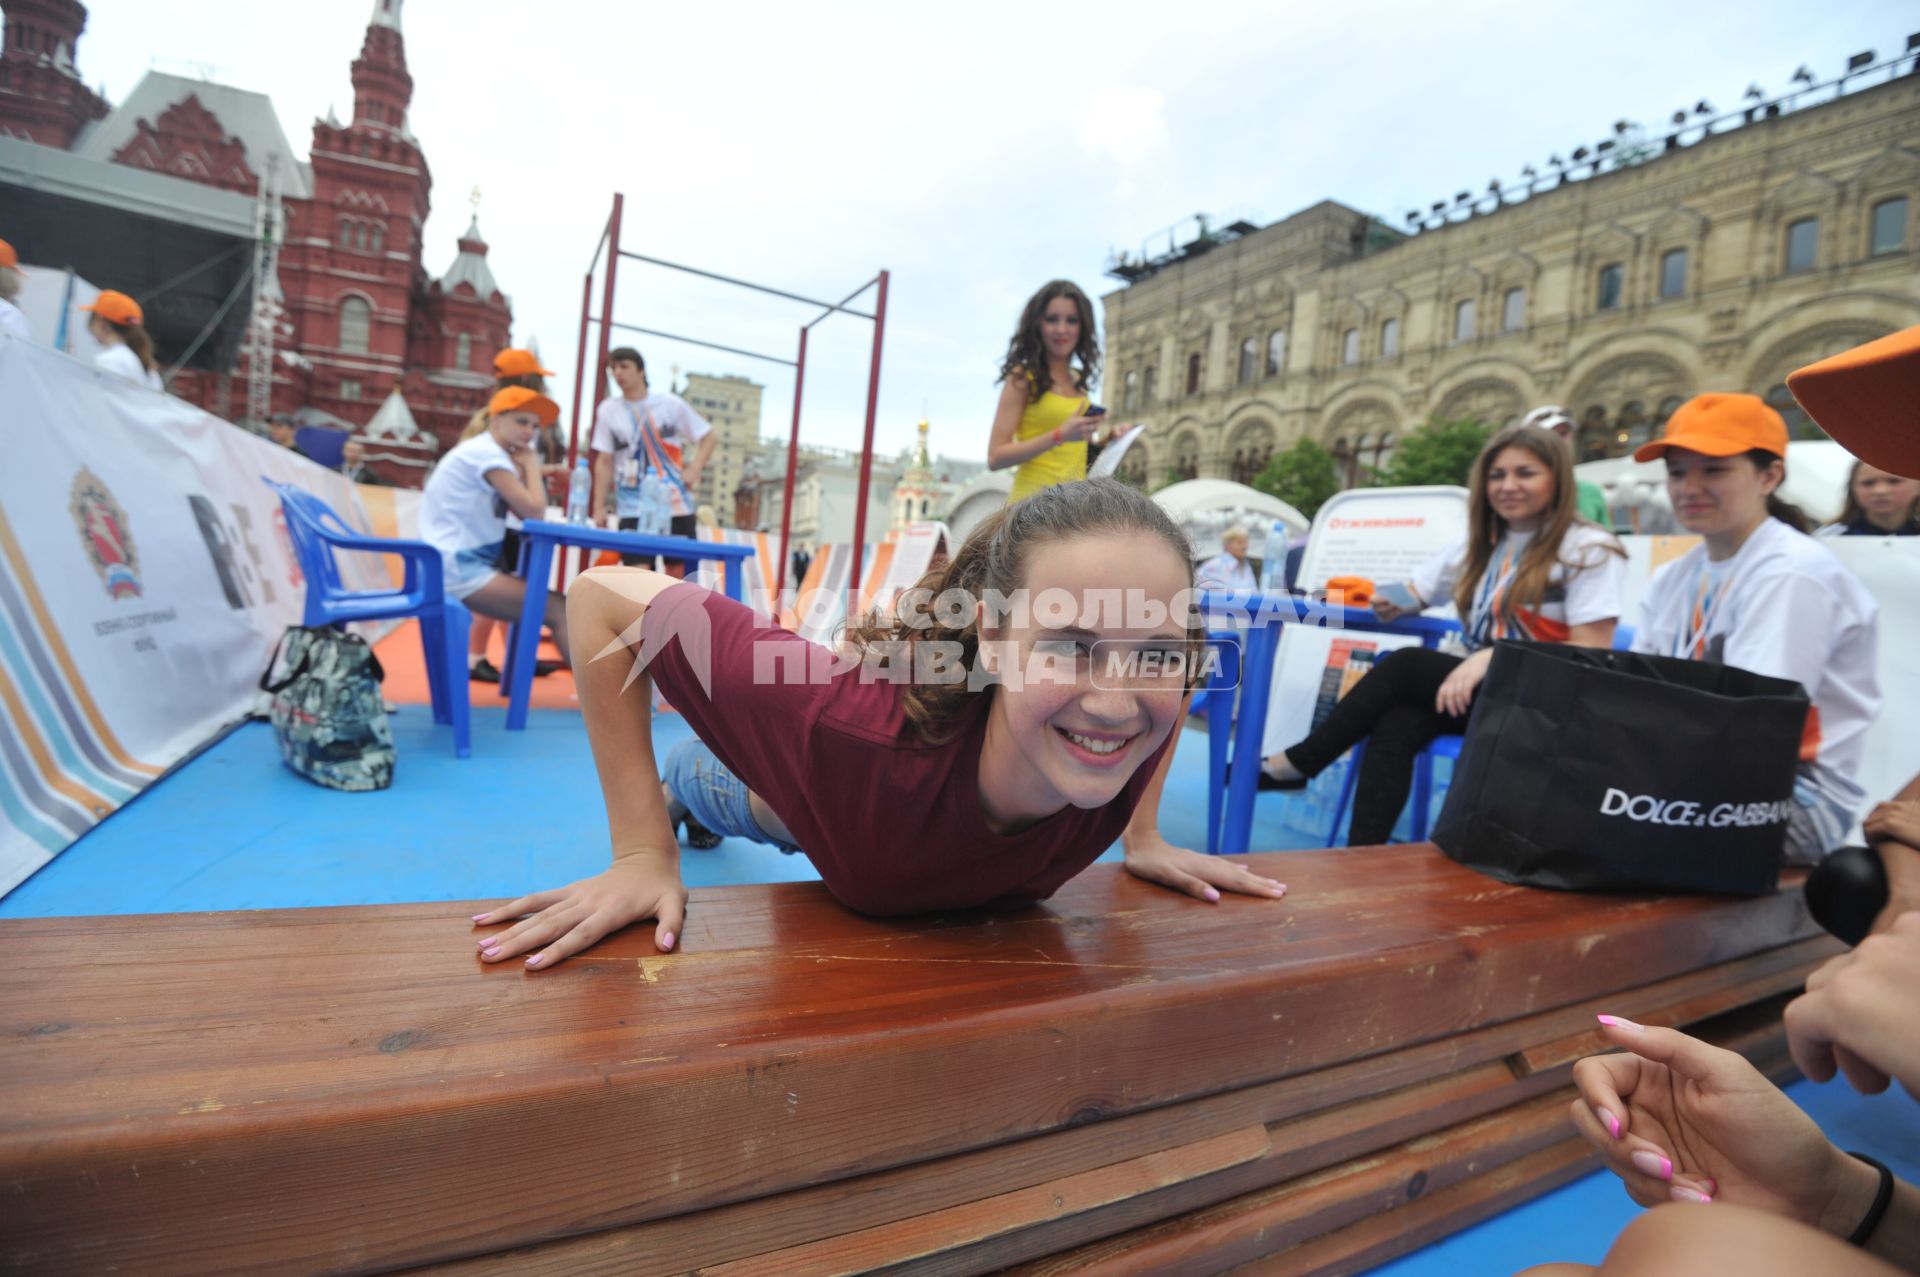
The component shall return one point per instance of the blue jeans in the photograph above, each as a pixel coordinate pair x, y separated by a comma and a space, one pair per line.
712, 795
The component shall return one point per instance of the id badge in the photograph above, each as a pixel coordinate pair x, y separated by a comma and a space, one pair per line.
627, 473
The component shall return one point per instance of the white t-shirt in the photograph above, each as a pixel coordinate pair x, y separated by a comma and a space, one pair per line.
1785, 607
460, 510
1587, 584
615, 431
122, 362
1224, 572
14, 320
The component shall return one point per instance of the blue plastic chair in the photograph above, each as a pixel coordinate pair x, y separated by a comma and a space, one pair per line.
1442, 747
317, 532
1216, 699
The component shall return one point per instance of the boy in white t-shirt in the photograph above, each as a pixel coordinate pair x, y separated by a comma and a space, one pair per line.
463, 511
623, 450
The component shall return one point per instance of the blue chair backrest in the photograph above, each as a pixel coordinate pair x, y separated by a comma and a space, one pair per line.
308, 519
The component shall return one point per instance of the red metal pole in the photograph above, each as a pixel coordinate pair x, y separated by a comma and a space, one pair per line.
579, 375
793, 461
606, 327
866, 447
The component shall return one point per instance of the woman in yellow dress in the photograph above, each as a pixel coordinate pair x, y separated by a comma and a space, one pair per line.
1042, 424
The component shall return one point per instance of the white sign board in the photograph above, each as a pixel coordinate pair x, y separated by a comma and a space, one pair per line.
1382, 534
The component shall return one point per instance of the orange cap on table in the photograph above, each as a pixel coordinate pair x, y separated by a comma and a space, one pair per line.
1868, 398
1720, 426
524, 399
116, 308
7, 256
514, 362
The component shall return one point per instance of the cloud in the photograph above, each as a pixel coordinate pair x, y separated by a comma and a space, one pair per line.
1124, 124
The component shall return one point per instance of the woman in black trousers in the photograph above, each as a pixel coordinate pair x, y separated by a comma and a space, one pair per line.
1529, 568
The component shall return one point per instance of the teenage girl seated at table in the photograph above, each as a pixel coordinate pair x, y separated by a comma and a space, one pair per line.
1761, 594
1529, 568
463, 512
1004, 761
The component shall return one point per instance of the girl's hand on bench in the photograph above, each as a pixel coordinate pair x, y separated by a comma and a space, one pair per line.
581, 914
1200, 876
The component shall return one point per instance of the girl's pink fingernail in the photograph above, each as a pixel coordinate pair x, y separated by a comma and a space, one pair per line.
1611, 1122
480, 917
1681, 1193
534, 961
1713, 1186
1652, 1164
1211, 894
1615, 1022
666, 940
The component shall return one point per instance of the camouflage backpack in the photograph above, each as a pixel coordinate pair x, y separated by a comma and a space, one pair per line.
327, 713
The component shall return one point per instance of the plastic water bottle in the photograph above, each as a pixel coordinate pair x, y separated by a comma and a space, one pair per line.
1273, 566
579, 492
656, 508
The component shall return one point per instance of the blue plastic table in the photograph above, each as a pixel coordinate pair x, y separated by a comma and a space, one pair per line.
537, 541
1265, 614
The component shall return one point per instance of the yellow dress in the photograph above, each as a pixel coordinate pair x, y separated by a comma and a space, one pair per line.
1063, 464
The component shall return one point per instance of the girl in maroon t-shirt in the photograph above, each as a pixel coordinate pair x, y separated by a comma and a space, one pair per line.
979, 748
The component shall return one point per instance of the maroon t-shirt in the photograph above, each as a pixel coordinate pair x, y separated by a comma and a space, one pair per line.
892, 823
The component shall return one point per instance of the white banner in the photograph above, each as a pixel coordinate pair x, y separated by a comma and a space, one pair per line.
1382, 534
145, 575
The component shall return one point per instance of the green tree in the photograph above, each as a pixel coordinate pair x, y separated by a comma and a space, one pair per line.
1438, 452
1303, 476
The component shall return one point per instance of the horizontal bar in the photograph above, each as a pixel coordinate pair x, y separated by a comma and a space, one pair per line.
739, 283
710, 345
843, 302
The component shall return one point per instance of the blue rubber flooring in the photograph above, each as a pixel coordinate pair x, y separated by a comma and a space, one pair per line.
234, 829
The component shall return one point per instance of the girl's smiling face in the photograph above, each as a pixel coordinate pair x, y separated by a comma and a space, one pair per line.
1520, 488
1060, 326
1714, 496
1093, 662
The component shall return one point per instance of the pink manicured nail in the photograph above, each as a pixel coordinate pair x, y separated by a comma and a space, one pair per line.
666, 940
481, 917
1681, 1193
1211, 894
534, 961
1609, 1121
1615, 1022
1713, 1186
1652, 1164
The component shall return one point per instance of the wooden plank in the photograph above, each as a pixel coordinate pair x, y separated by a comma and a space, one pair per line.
1306, 1138
344, 1090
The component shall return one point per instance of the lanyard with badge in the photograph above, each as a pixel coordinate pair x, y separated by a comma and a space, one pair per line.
1493, 591
1707, 598
649, 453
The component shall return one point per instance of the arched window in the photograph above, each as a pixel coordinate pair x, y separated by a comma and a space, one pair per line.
1276, 352
360, 235
1131, 395
1463, 320
379, 236
1889, 234
346, 233
1350, 346
1389, 338
463, 351
1193, 373
1146, 387
1799, 424
1803, 244
1248, 357
356, 324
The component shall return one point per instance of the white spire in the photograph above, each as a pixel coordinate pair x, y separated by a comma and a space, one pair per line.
386, 13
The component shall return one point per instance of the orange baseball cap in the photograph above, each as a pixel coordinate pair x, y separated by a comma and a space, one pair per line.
1720, 426
513, 362
522, 399
7, 256
117, 308
1866, 398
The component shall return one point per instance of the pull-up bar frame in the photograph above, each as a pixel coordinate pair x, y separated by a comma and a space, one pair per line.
609, 245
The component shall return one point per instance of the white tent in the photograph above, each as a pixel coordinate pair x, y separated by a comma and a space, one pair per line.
1205, 508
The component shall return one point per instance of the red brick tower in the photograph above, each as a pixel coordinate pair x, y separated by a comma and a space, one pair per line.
42, 98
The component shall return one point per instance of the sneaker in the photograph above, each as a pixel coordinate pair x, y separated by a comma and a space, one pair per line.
482, 671
543, 668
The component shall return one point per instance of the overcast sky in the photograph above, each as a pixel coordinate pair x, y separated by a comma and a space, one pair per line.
974, 150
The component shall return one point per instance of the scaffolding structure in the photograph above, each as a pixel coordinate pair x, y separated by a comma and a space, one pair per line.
610, 248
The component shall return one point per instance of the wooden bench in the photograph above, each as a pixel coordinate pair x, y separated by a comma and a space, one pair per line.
1123, 1080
